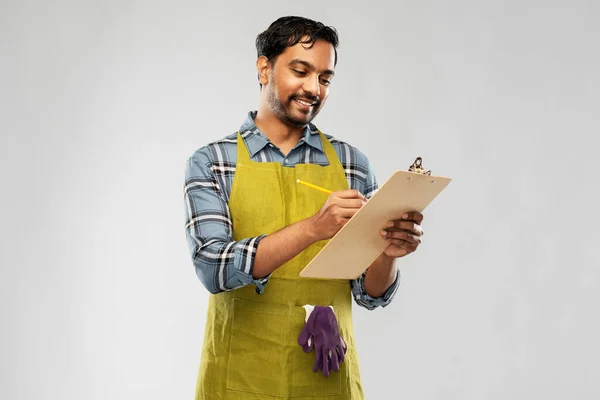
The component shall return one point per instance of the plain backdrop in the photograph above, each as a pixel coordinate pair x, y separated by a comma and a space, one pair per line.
102, 102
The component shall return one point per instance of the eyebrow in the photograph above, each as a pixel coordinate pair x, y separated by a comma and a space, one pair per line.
310, 66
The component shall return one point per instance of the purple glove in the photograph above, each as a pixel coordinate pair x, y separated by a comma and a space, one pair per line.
321, 333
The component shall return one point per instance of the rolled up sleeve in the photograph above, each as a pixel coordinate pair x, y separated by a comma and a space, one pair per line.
370, 303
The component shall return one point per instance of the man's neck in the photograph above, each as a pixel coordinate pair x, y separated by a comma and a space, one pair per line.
284, 136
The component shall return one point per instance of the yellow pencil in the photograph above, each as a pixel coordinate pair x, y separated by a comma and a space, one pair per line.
310, 185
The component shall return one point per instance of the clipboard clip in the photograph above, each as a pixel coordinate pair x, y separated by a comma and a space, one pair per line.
417, 167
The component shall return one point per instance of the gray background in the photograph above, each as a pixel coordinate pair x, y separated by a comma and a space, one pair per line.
101, 103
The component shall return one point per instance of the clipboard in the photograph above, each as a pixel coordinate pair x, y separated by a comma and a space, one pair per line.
354, 248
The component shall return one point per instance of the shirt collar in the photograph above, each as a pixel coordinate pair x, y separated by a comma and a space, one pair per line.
256, 140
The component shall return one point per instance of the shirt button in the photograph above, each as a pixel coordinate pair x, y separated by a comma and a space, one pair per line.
285, 160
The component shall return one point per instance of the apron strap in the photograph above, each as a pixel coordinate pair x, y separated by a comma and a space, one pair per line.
331, 154
243, 154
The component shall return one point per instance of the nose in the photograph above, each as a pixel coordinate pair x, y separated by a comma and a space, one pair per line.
311, 86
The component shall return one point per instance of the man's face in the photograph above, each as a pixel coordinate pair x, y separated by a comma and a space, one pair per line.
299, 82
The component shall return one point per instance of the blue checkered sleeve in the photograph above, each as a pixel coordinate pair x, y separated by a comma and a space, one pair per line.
370, 303
221, 263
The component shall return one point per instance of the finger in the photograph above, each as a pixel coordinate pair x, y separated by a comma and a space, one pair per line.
303, 336
402, 246
395, 251
335, 362
307, 346
349, 203
349, 194
343, 347
325, 363
405, 225
347, 212
317, 363
341, 353
413, 216
402, 235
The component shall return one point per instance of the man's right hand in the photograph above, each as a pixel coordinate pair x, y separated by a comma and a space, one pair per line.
335, 213
279, 247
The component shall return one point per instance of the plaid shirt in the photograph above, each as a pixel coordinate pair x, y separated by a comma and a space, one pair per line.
223, 264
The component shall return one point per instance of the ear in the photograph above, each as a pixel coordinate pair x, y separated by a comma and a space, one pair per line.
264, 68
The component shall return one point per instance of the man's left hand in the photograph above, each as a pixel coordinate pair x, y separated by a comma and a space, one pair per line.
404, 235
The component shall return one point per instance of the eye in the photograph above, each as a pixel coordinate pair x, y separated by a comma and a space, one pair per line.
299, 73
325, 82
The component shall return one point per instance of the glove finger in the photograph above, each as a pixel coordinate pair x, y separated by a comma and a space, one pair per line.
303, 336
308, 346
344, 345
317, 361
325, 363
335, 362
341, 353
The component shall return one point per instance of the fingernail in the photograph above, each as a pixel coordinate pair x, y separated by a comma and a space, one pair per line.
384, 233
390, 224
405, 216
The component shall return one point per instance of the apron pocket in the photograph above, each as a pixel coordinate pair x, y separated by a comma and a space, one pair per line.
264, 355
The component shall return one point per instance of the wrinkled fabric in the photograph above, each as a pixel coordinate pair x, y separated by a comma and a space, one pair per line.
250, 349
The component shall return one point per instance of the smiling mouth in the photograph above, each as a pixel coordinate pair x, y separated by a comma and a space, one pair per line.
305, 103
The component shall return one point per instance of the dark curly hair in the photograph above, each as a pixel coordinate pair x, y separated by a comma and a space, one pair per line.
288, 31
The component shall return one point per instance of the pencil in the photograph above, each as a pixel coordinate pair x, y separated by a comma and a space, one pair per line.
310, 185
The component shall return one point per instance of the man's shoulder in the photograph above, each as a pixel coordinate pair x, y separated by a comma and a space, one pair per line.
347, 153
217, 151
356, 165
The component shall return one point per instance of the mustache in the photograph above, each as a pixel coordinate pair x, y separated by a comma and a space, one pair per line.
306, 97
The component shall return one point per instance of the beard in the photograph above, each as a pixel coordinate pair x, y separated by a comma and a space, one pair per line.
285, 110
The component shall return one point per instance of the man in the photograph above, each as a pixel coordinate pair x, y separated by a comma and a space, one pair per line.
251, 229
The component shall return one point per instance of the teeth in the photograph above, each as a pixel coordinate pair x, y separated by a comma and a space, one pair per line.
303, 102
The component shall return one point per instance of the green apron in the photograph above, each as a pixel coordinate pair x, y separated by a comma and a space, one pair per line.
250, 348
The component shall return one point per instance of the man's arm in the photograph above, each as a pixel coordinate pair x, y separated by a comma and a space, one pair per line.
281, 246
221, 263
363, 299
380, 275
377, 286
